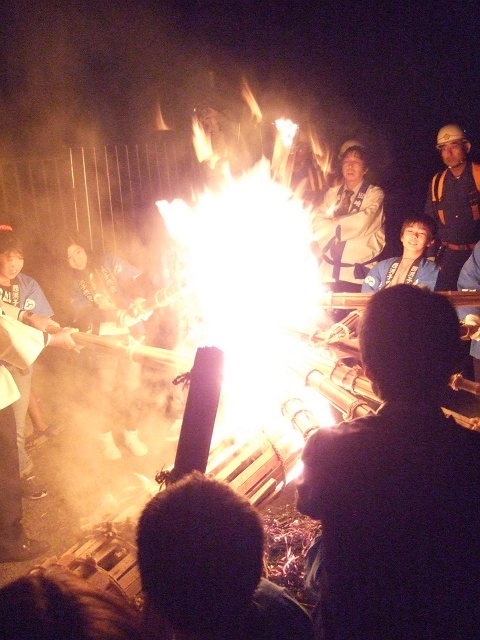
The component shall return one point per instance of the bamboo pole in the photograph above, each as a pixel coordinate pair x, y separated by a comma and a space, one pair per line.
458, 382
463, 421
350, 406
300, 416
135, 351
360, 300
353, 407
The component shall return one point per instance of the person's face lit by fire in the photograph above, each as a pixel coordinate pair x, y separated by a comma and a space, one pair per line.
77, 257
415, 239
454, 153
353, 169
11, 263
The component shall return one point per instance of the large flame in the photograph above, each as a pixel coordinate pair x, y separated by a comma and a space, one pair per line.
202, 143
321, 153
247, 257
251, 102
286, 132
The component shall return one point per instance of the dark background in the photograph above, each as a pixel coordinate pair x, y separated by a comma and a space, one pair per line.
391, 73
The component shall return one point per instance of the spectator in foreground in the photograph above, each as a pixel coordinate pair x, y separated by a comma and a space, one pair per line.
200, 555
55, 604
398, 493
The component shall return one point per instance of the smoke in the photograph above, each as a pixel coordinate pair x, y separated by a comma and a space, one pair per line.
82, 73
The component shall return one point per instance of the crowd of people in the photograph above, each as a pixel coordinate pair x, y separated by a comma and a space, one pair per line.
397, 493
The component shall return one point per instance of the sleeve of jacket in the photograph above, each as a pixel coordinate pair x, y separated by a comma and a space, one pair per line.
321, 216
126, 274
373, 279
430, 208
313, 486
20, 344
469, 280
32, 297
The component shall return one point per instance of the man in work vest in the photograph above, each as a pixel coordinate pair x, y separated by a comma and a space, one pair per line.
453, 201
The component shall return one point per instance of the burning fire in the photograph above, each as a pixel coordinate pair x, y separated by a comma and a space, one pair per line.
202, 143
159, 121
251, 102
246, 255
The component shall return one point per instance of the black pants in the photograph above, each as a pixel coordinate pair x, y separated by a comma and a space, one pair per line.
450, 263
11, 512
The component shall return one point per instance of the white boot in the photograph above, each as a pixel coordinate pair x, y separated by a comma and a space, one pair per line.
136, 446
110, 449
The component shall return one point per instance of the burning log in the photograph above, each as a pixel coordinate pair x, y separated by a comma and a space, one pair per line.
200, 412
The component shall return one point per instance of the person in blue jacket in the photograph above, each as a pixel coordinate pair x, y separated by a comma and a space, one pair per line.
411, 267
24, 292
105, 290
469, 280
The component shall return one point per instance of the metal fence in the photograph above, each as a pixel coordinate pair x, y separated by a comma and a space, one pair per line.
100, 192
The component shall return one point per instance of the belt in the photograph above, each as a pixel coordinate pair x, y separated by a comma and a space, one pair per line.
459, 247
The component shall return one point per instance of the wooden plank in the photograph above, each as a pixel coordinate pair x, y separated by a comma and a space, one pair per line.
239, 463
260, 467
263, 492
123, 566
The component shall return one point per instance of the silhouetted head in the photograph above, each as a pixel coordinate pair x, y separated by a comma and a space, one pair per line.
410, 343
55, 604
200, 553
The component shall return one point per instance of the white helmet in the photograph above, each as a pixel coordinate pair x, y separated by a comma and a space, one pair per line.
347, 145
450, 133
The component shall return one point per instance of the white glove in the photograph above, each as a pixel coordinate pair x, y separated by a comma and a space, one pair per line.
473, 320
126, 317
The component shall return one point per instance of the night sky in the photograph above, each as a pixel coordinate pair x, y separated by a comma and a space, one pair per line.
391, 74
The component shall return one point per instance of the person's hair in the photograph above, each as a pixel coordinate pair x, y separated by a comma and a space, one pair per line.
410, 340
200, 553
427, 222
69, 239
10, 241
358, 151
55, 604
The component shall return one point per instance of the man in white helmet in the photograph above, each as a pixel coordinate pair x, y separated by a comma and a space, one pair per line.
453, 201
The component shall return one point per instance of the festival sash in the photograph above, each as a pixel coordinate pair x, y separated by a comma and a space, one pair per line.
357, 203
410, 275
